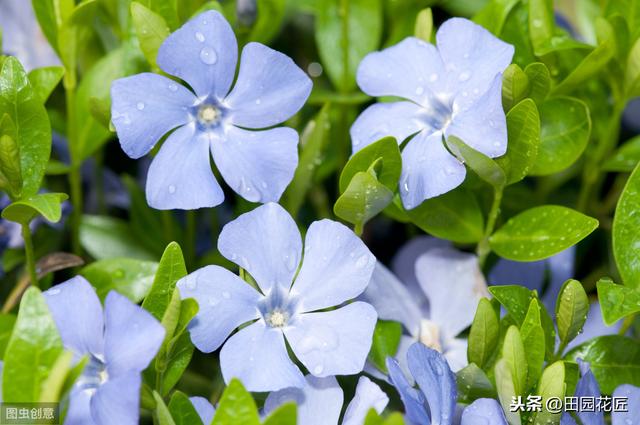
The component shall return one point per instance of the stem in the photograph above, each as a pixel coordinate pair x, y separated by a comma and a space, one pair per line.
29, 253
75, 177
167, 226
358, 228
484, 249
626, 324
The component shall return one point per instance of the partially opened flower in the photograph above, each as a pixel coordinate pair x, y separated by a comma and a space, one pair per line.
434, 401
119, 343
320, 401
450, 285
207, 117
266, 243
452, 89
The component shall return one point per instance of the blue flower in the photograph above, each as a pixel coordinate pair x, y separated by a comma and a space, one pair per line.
454, 89
119, 344
434, 401
269, 89
266, 243
205, 409
320, 401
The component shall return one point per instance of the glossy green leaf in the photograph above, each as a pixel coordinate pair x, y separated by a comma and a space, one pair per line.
541, 24
506, 391
572, 307
182, 410
386, 338
533, 339
632, 72
107, 237
373, 418
473, 383
10, 171
617, 301
388, 170
170, 270
514, 298
283, 415
45, 12
236, 407
541, 232
151, 29
564, 133
513, 354
363, 199
493, 15
424, 25
625, 158
539, 81
48, 205
523, 128
551, 386
515, 86
486, 168
52, 387
162, 412
483, 336
44, 81
626, 238
7, 321
127, 276
179, 358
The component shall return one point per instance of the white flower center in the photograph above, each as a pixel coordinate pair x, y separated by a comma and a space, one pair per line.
429, 334
208, 114
277, 318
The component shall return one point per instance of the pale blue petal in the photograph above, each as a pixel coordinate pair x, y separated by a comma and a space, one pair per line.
270, 88
455, 351
225, 302
368, 396
483, 411
436, 381
337, 266
258, 357
258, 165
204, 53
205, 409
117, 401
77, 311
411, 69
79, 411
472, 56
145, 107
396, 119
566, 419
561, 268
483, 126
414, 402
265, 242
454, 284
588, 387
633, 405
333, 342
508, 272
593, 327
180, 176
319, 402
391, 299
428, 169
132, 336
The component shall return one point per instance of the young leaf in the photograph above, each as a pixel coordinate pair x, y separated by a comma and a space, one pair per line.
626, 239
493, 15
515, 86
389, 168
424, 25
473, 383
533, 338
617, 301
541, 232
539, 81
523, 128
131, 278
486, 168
513, 354
386, 338
170, 270
514, 298
181, 353
506, 391
483, 336
632, 72
182, 410
45, 204
44, 81
151, 29
551, 386
283, 415
10, 165
571, 310
7, 321
52, 387
236, 407
625, 158
162, 412
107, 237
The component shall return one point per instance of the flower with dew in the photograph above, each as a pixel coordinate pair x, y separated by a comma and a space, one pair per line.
435, 307
119, 344
266, 243
434, 401
320, 401
452, 89
209, 117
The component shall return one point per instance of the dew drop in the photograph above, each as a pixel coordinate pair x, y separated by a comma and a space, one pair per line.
200, 37
212, 302
226, 295
53, 291
362, 261
433, 77
464, 76
172, 189
140, 106
537, 23
173, 87
419, 90
496, 144
208, 56
191, 283
318, 369
258, 101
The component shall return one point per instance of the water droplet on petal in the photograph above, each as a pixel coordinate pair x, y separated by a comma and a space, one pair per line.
464, 76
140, 106
419, 90
258, 101
362, 261
226, 295
433, 77
172, 189
200, 37
208, 56
318, 369
53, 291
173, 87
212, 301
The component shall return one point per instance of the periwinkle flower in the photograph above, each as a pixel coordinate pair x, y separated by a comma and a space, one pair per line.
204, 408
269, 89
452, 89
266, 243
320, 401
119, 343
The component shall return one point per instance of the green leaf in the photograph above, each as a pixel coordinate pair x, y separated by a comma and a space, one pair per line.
486, 168
539, 81
283, 415
45, 12
182, 410
541, 25
390, 166
33, 131
626, 239
373, 418
514, 298
523, 128
515, 86
625, 158
551, 386
268, 24
455, 215
32, 351
44, 80
424, 25
473, 383
127, 276
506, 391
493, 15
107, 237
181, 353
10, 172
162, 412
533, 338
483, 336
151, 29
572, 307
513, 354
52, 387
386, 338
236, 407
617, 301
541, 232
48, 205
170, 270
564, 133
345, 33
632, 72
7, 321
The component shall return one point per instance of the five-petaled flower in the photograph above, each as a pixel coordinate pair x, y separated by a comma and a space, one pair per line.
269, 89
119, 344
266, 243
454, 89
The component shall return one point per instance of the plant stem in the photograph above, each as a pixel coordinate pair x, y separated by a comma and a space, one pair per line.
30, 254
626, 324
484, 249
75, 177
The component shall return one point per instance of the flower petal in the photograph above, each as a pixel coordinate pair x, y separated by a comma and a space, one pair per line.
225, 301
588, 387
483, 126
204, 408
368, 396
258, 165
391, 299
561, 268
117, 401
79, 411
337, 266
397, 119
132, 335
508, 272
319, 402
483, 411
436, 381
258, 357
269, 90
145, 107
414, 403
428, 169
454, 284
633, 405
77, 311
455, 351
265, 242
203, 52
472, 55
180, 176
411, 69
333, 342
